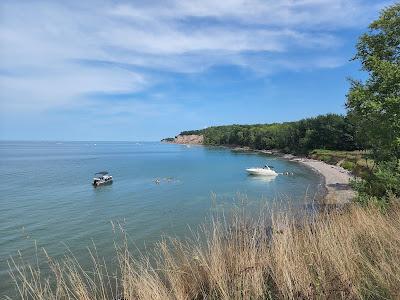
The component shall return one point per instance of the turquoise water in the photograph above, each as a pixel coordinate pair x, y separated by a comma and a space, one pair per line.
47, 198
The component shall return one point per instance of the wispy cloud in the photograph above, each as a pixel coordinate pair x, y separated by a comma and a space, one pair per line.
45, 44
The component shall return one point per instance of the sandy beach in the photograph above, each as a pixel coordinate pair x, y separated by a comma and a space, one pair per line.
336, 180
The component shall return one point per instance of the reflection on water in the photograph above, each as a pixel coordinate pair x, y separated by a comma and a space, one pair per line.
262, 178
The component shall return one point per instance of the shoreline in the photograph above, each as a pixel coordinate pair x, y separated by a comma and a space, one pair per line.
336, 179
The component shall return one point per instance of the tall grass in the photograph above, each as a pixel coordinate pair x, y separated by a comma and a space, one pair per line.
352, 253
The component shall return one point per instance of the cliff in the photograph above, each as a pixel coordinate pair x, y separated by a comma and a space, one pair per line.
186, 139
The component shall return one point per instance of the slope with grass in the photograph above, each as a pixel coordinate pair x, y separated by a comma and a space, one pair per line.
352, 253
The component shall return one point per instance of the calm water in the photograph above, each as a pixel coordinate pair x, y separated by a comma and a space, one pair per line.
46, 194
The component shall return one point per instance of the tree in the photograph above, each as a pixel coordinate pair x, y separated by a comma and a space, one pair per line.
374, 105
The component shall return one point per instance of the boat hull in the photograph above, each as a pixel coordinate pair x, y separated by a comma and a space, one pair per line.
261, 172
101, 183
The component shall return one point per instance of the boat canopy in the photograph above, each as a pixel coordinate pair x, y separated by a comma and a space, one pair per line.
101, 173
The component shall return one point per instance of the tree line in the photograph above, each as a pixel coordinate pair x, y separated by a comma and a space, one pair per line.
329, 131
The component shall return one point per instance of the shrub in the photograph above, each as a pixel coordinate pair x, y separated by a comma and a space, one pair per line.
348, 165
381, 184
325, 158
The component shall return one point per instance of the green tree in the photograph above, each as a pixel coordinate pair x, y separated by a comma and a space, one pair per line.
374, 105
329, 131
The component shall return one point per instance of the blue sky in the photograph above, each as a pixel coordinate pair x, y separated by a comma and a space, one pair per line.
144, 70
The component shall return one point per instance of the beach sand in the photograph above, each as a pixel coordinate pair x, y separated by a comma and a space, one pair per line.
336, 180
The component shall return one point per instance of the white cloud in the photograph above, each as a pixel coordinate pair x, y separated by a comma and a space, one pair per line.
64, 85
42, 42
289, 13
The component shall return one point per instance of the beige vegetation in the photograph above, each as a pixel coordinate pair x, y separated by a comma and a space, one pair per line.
348, 253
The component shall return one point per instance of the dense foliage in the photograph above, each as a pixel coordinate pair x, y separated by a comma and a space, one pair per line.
326, 132
374, 105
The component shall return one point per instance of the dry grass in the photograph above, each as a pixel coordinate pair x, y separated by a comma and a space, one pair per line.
348, 254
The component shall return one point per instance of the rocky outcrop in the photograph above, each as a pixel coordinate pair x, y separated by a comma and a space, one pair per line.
192, 139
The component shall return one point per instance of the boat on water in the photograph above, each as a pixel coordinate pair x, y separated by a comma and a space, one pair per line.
265, 171
102, 178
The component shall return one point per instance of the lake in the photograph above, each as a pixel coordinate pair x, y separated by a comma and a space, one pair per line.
47, 196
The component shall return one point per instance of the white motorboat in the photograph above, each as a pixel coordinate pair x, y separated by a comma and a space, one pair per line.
266, 171
102, 178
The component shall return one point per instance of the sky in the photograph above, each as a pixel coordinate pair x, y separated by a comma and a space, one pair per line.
145, 70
